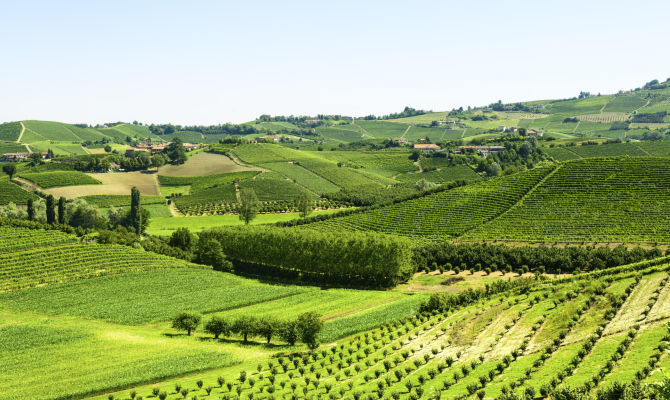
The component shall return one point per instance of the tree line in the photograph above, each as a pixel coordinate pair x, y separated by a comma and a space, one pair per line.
305, 328
368, 259
492, 257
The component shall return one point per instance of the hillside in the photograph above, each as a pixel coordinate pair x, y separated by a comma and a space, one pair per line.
517, 341
596, 200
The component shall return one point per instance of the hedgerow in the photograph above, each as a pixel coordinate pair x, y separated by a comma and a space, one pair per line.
366, 258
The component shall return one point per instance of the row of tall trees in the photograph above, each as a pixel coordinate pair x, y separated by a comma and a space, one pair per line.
305, 328
368, 259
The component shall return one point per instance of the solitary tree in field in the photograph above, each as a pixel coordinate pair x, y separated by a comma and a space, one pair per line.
51, 210
186, 321
9, 169
305, 205
135, 211
61, 210
31, 210
248, 205
218, 326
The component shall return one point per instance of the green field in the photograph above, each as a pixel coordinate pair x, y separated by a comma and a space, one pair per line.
52, 179
163, 226
11, 193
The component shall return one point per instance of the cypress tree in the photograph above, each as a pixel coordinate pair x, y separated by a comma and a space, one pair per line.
51, 210
135, 211
61, 210
31, 210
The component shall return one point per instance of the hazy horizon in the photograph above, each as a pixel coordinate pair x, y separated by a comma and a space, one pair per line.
214, 62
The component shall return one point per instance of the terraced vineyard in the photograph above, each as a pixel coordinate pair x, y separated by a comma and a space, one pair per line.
606, 199
516, 342
445, 214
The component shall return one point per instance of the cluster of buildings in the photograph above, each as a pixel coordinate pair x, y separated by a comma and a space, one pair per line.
22, 156
515, 129
481, 150
156, 148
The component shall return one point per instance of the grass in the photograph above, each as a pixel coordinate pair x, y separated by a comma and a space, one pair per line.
146, 296
203, 164
164, 226
113, 183
53, 179
67, 354
107, 201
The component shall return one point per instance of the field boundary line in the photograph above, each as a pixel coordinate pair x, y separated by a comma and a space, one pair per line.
576, 126
566, 148
604, 105
406, 130
23, 129
74, 134
643, 150
645, 104
517, 203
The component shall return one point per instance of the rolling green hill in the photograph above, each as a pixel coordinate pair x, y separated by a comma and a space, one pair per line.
622, 199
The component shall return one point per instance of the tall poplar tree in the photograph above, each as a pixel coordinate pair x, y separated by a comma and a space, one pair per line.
61, 210
135, 210
31, 210
248, 205
51, 210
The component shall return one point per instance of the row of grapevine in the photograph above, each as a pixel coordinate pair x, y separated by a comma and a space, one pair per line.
602, 200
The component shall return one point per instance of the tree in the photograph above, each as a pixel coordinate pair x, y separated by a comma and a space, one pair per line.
176, 151
51, 210
305, 205
493, 169
61, 210
36, 159
9, 169
423, 185
108, 149
416, 154
248, 205
245, 326
267, 327
289, 332
135, 216
186, 321
209, 252
158, 160
31, 210
310, 326
182, 238
218, 326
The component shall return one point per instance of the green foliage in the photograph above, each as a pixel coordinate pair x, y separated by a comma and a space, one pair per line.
10, 131
11, 193
111, 200
186, 321
367, 258
248, 205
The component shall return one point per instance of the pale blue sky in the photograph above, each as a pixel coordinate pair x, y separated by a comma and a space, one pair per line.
209, 62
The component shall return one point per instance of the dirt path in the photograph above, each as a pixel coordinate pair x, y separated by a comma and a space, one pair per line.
603, 107
645, 104
406, 130
23, 129
643, 150
576, 126
174, 210
27, 185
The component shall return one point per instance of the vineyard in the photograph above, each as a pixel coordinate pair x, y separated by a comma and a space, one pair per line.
11, 193
45, 257
517, 343
444, 214
52, 179
606, 117
603, 200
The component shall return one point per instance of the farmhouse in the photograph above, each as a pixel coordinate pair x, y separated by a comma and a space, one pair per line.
533, 132
427, 147
400, 140
275, 138
20, 156
483, 150
191, 146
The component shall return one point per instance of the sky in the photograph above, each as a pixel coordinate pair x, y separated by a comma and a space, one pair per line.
210, 62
